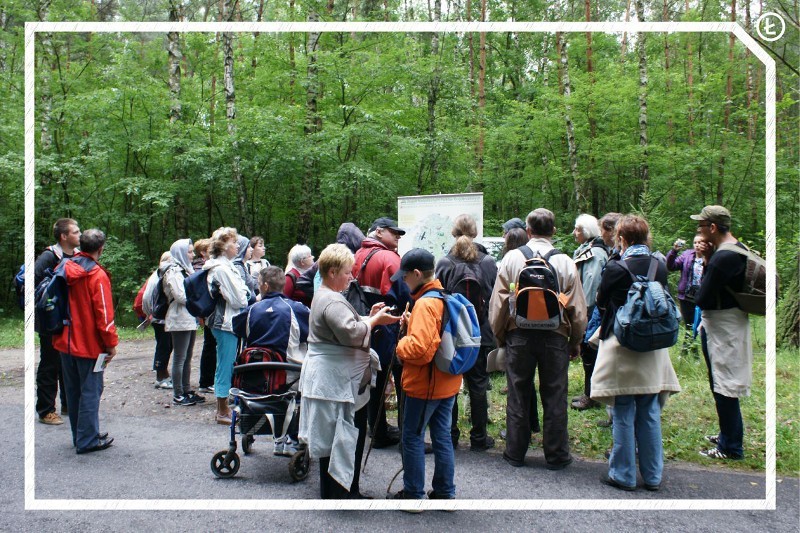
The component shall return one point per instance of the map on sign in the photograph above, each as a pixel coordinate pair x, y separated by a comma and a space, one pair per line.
428, 220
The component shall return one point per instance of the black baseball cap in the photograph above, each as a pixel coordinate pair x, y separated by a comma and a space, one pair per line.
388, 223
415, 259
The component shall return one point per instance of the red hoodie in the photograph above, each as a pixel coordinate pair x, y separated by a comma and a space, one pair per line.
92, 313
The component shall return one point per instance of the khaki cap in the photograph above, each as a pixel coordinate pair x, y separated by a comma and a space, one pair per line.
716, 214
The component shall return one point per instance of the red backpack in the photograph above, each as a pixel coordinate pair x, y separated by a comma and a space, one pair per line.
260, 381
137, 303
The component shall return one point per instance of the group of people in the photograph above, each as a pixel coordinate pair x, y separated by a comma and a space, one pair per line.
348, 357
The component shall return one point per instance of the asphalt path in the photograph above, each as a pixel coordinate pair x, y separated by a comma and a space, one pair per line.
161, 454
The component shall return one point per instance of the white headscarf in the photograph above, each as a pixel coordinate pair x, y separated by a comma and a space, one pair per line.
180, 254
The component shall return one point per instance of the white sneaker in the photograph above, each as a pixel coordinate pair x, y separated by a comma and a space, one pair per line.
279, 446
165, 383
291, 447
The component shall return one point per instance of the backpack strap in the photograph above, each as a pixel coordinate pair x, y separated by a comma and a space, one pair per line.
366, 260
526, 251
551, 253
651, 272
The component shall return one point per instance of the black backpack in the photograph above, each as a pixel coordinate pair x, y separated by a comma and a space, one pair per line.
305, 283
464, 279
159, 301
355, 294
539, 300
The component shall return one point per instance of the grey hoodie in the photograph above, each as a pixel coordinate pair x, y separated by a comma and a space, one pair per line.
238, 264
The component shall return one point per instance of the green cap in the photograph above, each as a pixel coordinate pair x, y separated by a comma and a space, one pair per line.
716, 214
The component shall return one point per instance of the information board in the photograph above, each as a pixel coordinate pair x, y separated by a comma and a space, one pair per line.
428, 220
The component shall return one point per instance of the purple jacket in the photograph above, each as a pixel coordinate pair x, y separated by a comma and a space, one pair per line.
683, 263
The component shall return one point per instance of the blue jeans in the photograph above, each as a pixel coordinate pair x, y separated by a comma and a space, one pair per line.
731, 427
437, 414
226, 355
637, 421
84, 387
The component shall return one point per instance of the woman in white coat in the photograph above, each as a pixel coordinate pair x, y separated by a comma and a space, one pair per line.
179, 323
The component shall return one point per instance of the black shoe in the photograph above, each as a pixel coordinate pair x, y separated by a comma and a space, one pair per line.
608, 480
429, 448
401, 495
652, 488
559, 466
513, 462
102, 436
487, 444
536, 428
385, 441
196, 398
392, 431
101, 445
434, 496
359, 496
183, 400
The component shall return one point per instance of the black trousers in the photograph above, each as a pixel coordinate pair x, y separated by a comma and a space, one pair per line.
163, 349
208, 358
477, 381
589, 357
49, 378
525, 352
329, 488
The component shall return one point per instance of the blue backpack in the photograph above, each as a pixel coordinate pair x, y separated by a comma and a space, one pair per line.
19, 286
649, 320
200, 302
461, 333
52, 296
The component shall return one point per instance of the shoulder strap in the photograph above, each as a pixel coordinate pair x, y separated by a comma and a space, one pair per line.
366, 259
551, 253
734, 248
651, 272
526, 251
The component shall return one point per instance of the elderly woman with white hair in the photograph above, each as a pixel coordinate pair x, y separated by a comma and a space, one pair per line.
299, 260
590, 259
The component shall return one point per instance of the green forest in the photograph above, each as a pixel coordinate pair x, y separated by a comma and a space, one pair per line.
153, 137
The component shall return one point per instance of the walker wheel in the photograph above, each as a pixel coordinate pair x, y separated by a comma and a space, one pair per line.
247, 444
224, 470
299, 465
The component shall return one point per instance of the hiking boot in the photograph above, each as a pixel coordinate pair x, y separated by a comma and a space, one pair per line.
51, 419
385, 441
583, 403
611, 482
713, 439
182, 400
432, 495
487, 444
401, 495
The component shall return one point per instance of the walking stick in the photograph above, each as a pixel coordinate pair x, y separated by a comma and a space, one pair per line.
383, 403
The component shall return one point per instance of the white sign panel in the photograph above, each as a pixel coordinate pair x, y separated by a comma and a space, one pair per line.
428, 220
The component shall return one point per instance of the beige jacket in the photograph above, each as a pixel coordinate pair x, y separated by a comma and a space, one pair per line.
500, 318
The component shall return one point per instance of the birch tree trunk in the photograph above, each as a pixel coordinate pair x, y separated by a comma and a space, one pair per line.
174, 67
230, 114
590, 111
578, 194
625, 34
481, 89
667, 80
311, 127
727, 113
690, 81
431, 161
644, 171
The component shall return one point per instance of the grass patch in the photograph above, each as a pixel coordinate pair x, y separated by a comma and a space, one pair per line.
688, 416
12, 333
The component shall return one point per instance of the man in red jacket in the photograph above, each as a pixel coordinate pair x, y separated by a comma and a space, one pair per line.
379, 252
90, 332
